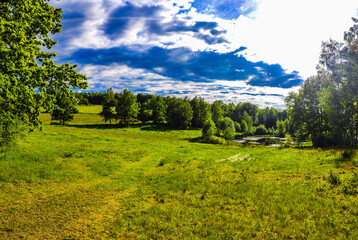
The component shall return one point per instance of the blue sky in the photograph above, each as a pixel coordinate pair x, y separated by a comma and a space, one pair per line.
232, 50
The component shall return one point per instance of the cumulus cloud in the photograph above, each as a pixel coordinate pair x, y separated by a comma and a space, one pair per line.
185, 65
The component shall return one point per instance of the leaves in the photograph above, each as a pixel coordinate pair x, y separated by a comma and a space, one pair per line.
29, 77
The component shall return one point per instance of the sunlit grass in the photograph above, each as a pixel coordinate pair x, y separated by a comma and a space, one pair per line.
94, 180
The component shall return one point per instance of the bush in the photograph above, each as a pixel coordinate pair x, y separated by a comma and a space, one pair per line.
237, 127
261, 130
288, 140
243, 126
209, 129
227, 123
215, 140
11, 131
229, 134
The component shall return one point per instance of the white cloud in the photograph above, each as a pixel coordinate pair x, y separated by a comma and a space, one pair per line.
290, 32
120, 77
287, 32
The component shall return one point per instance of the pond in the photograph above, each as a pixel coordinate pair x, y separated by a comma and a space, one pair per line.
269, 141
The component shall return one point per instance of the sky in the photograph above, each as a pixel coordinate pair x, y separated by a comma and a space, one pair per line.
231, 50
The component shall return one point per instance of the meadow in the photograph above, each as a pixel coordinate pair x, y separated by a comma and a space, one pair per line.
90, 180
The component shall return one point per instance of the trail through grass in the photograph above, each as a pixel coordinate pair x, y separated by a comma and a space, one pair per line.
91, 180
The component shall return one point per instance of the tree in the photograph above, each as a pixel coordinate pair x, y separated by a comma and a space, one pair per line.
280, 128
64, 107
108, 106
252, 110
158, 107
306, 113
127, 107
249, 123
26, 63
227, 123
209, 129
145, 112
201, 112
60, 100
179, 112
261, 130
217, 112
325, 107
244, 127
229, 134
237, 127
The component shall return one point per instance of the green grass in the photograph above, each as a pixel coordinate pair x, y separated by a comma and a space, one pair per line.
91, 180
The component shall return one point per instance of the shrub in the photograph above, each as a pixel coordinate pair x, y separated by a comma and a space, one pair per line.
227, 123
288, 140
209, 129
229, 134
215, 140
11, 131
243, 126
261, 130
237, 127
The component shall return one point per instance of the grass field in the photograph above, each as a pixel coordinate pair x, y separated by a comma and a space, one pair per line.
91, 180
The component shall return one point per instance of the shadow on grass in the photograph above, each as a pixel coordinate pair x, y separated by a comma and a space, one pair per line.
142, 127
157, 128
96, 126
196, 140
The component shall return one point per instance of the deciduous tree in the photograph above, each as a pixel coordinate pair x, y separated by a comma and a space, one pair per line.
27, 72
127, 107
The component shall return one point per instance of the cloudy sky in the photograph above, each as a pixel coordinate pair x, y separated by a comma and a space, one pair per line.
232, 50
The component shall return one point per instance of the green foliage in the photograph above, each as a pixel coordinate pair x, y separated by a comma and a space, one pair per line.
288, 141
26, 64
217, 112
237, 127
64, 107
226, 123
333, 178
12, 130
261, 130
280, 129
108, 106
127, 107
179, 113
248, 120
215, 140
229, 134
244, 127
158, 107
201, 112
324, 108
145, 112
209, 129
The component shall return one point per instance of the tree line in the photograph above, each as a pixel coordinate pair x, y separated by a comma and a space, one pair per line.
126, 108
